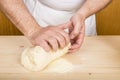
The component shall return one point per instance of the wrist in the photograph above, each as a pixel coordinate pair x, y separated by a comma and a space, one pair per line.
83, 12
82, 17
31, 33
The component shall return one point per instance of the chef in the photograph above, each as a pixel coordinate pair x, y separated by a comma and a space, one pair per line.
53, 24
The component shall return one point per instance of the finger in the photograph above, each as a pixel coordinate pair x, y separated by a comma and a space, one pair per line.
79, 40
45, 45
75, 46
73, 50
60, 39
76, 30
65, 36
71, 29
72, 41
65, 26
53, 43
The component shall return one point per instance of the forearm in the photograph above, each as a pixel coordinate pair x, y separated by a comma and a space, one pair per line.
16, 11
92, 6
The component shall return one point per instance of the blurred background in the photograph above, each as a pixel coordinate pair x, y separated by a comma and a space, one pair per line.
108, 21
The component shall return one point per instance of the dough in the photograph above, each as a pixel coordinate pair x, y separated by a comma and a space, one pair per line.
60, 66
36, 58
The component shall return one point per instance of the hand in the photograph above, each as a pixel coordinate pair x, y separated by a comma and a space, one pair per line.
77, 32
50, 37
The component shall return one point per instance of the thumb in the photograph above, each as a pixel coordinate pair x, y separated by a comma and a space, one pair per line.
65, 25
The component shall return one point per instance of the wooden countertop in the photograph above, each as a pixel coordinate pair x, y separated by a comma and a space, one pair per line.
98, 59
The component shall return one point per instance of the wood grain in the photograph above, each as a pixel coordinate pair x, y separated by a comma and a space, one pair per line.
108, 20
6, 27
98, 59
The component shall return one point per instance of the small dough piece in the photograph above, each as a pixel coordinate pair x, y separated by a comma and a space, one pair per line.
59, 66
36, 58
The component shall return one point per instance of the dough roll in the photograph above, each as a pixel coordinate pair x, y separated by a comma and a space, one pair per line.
36, 58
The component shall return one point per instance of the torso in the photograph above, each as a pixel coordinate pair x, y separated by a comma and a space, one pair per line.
55, 12
65, 5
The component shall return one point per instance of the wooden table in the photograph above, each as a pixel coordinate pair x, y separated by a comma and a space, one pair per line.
98, 59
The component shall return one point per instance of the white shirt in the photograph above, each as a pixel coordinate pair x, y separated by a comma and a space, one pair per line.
55, 12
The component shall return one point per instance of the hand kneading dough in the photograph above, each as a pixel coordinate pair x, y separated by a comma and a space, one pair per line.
36, 58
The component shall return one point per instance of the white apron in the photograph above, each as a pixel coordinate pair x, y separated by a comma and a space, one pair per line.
55, 12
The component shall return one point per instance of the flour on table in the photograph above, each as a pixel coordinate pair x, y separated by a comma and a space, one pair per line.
60, 66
